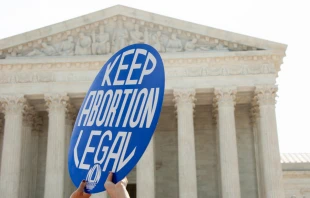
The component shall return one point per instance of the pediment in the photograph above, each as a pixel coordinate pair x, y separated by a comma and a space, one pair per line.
108, 30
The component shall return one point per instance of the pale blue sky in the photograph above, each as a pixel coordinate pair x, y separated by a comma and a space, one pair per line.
281, 21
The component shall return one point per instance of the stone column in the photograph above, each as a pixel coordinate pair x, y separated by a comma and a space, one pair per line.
224, 101
26, 158
12, 141
1, 138
184, 102
271, 170
146, 173
37, 129
70, 118
256, 130
56, 143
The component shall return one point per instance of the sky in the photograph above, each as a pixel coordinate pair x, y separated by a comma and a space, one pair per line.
282, 21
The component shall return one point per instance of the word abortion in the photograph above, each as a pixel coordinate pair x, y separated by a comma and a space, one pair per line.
106, 109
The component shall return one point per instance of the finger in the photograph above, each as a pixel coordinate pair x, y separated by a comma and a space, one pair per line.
86, 195
81, 187
110, 176
125, 181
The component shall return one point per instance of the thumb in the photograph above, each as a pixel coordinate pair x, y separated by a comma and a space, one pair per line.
109, 178
81, 187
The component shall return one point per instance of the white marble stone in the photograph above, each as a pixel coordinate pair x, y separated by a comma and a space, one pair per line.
126, 13
166, 154
26, 158
296, 182
56, 144
1, 138
184, 102
12, 145
229, 167
36, 130
146, 173
70, 119
271, 170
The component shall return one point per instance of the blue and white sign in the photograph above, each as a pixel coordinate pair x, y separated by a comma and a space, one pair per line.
118, 117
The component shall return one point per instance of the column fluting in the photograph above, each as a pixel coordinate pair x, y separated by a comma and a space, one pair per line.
56, 144
13, 106
224, 102
184, 102
271, 170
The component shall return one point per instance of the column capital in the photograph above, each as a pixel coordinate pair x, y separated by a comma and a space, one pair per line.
56, 100
225, 96
182, 96
12, 103
266, 95
71, 113
254, 113
28, 114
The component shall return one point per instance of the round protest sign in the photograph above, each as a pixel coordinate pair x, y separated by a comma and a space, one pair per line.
118, 117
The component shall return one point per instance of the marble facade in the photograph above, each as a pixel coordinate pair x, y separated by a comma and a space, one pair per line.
217, 135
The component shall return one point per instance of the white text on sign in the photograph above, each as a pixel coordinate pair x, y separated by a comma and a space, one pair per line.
117, 108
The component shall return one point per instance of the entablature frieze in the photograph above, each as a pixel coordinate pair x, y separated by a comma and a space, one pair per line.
33, 70
28, 76
171, 59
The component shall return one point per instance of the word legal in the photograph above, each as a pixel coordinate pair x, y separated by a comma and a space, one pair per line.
104, 153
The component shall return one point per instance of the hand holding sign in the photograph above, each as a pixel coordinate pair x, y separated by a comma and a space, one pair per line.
79, 193
118, 117
116, 190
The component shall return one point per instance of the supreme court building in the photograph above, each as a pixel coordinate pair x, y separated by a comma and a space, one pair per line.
217, 134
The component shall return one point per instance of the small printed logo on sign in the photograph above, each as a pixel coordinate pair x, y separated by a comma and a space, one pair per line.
118, 117
93, 177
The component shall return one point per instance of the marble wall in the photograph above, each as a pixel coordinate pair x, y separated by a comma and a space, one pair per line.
166, 156
42, 149
206, 153
297, 181
1, 136
246, 152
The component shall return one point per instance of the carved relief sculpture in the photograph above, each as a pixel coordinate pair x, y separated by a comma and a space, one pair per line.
101, 42
47, 50
146, 36
193, 46
83, 45
112, 38
190, 45
136, 36
158, 42
174, 44
221, 47
120, 36
66, 48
